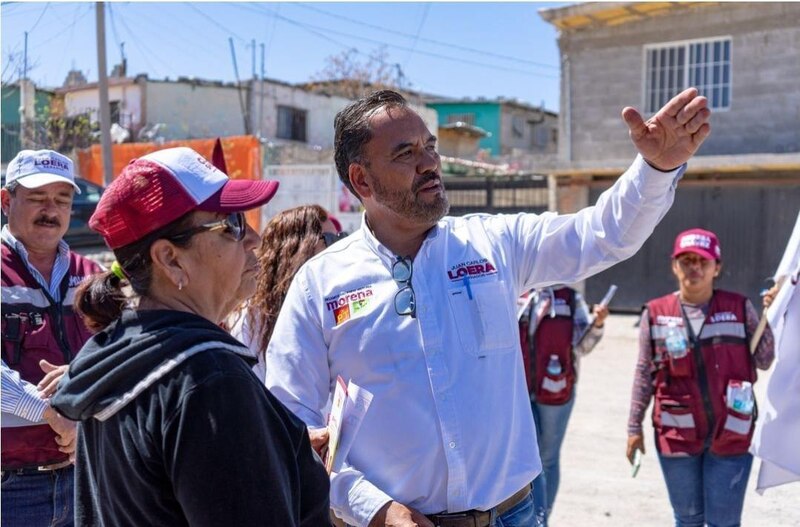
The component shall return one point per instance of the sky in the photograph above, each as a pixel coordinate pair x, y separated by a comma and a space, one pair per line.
475, 49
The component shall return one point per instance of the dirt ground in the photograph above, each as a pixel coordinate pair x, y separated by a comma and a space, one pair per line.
596, 485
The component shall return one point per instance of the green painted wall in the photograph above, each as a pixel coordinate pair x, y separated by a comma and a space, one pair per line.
9, 111
487, 116
9, 116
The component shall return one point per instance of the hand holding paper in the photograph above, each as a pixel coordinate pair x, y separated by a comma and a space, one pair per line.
350, 404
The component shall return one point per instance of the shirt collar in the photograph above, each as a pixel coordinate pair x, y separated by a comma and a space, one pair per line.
384, 252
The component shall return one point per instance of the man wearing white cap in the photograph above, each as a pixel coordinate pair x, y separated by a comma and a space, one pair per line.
41, 334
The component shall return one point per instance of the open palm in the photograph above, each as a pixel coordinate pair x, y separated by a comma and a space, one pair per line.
669, 138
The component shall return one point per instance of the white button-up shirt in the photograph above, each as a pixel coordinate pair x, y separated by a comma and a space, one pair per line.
450, 425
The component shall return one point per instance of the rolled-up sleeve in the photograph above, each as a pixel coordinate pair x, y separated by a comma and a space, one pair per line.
354, 498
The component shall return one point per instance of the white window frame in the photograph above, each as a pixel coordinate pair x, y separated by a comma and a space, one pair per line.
686, 74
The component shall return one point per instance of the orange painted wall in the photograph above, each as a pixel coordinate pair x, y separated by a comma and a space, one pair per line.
242, 158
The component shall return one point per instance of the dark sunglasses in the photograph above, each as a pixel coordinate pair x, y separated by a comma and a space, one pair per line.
330, 238
233, 225
405, 302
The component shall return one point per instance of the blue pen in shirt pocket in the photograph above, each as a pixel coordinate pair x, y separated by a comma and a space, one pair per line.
468, 287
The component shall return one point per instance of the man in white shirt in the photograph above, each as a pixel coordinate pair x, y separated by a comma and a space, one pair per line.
417, 308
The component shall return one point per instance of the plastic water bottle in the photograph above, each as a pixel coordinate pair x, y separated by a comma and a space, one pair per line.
554, 366
675, 341
740, 396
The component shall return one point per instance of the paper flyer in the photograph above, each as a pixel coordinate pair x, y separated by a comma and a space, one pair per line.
349, 405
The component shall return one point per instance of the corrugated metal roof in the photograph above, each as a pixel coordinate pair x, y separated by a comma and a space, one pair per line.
599, 14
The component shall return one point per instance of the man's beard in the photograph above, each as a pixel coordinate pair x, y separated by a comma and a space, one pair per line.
409, 204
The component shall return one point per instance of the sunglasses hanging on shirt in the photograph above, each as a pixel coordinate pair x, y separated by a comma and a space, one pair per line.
405, 302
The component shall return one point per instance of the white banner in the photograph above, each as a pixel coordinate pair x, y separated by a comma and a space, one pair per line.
778, 427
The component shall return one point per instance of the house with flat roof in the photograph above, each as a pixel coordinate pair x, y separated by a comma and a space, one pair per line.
744, 183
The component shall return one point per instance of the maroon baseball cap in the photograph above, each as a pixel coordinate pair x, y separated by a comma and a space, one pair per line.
155, 190
698, 241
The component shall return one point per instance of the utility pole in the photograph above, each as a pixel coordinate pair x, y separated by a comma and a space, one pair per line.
251, 93
261, 95
242, 106
23, 98
253, 59
102, 85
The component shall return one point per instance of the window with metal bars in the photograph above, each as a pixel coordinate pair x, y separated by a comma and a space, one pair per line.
672, 67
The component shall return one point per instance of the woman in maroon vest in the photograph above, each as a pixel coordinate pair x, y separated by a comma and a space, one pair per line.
694, 358
555, 333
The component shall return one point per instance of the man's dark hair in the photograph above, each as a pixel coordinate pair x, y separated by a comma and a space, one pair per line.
352, 130
12, 187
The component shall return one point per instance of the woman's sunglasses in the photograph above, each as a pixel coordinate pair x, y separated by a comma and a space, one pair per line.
233, 225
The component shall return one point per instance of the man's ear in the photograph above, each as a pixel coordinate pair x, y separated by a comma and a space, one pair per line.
167, 260
360, 180
5, 199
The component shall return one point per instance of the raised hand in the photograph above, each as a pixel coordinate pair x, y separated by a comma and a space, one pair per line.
669, 138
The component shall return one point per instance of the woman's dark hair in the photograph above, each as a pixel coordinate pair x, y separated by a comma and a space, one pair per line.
352, 132
100, 298
288, 241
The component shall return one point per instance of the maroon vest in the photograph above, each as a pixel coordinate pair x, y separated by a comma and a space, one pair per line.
690, 408
554, 337
35, 328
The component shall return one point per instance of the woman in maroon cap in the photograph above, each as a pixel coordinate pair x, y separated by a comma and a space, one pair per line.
694, 357
175, 427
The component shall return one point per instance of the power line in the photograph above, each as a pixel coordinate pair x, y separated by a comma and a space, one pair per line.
419, 30
46, 6
87, 7
142, 47
113, 25
169, 31
71, 36
432, 41
294, 23
217, 24
316, 29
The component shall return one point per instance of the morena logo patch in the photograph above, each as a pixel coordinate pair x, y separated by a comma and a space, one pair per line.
346, 305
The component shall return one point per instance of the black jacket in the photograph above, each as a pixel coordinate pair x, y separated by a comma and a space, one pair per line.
177, 430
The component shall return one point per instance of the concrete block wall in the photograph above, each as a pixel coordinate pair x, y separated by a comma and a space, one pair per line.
194, 112
602, 72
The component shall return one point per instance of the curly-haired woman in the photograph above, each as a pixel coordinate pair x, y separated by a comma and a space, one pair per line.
290, 239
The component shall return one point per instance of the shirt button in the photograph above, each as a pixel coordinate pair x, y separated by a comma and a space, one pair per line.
452, 444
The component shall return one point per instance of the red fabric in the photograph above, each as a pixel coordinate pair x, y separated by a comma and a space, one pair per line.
242, 156
35, 445
698, 241
152, 193
554, 337
678, 385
